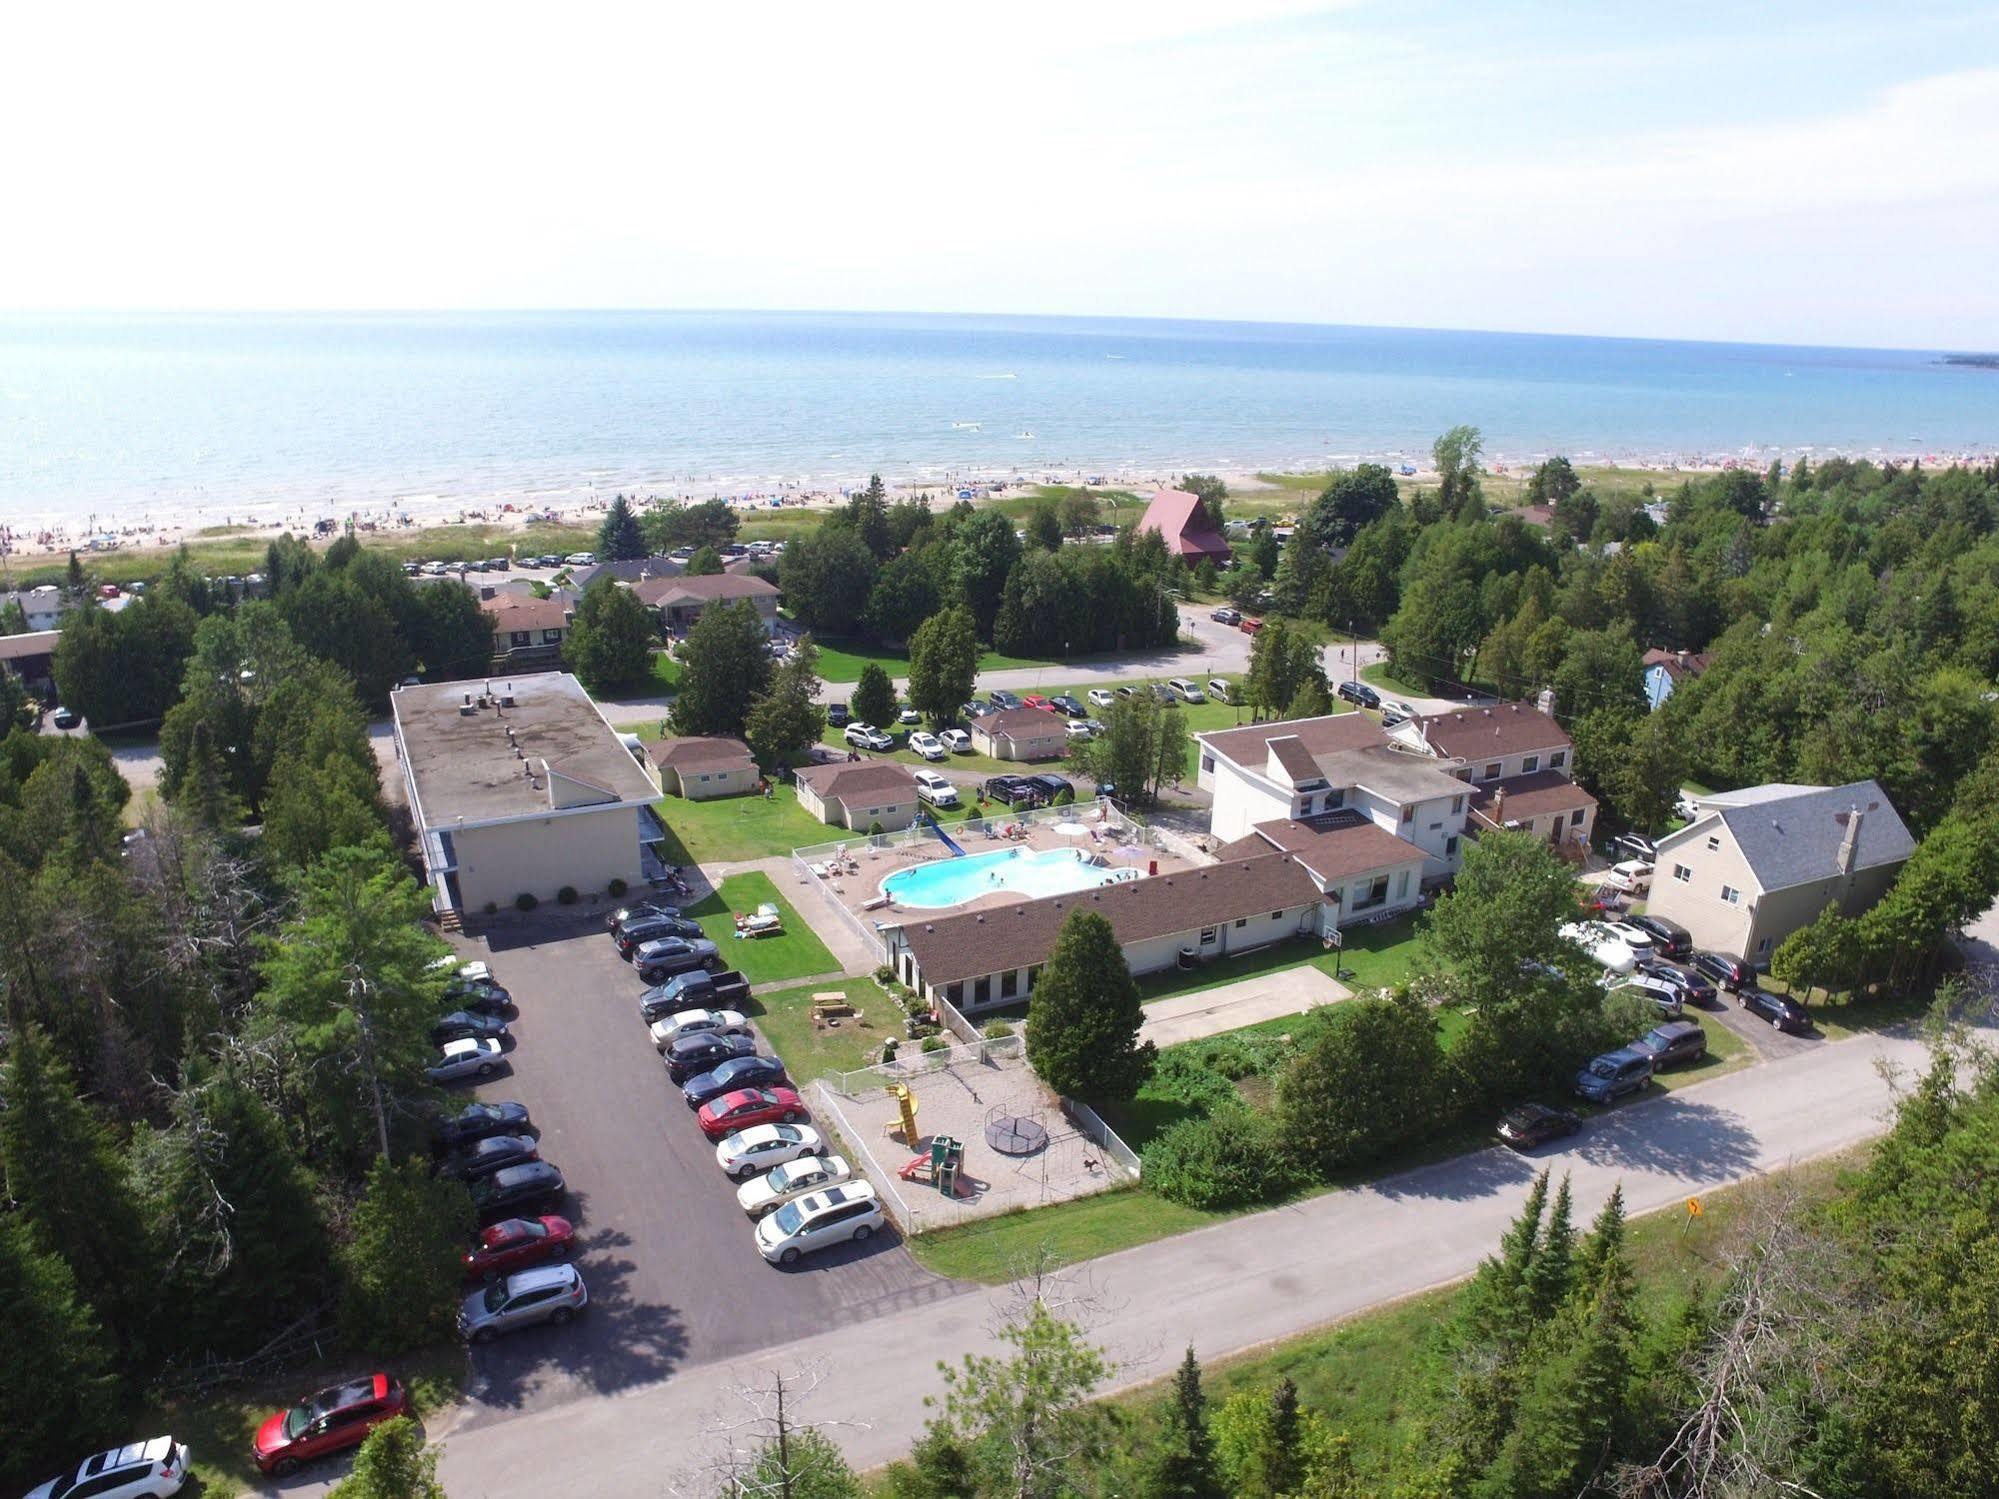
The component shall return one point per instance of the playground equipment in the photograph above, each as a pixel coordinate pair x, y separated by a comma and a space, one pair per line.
939, 1166
942, 836
1015, 1134
905, 1103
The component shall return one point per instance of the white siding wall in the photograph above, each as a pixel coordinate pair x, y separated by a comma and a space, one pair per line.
1242, 799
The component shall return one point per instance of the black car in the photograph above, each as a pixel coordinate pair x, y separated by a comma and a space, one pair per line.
1013, 791
1360, 694
1068, 706
1669, 938
484, 1157
690, 1056
837, 715
478, 1121
1695, 987
1672, 1043
482, 996
460, 1024
738, 1072
1536, 1124
1730, 973
507, 1191
1006, 699
976, 708
644, 910
636, 934
1050, 786
659, 961
1786, 1015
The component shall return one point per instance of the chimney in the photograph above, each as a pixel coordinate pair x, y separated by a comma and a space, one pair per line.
1546, 701
1849, 844
1498, 813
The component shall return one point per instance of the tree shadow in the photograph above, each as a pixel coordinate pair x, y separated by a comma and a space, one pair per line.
618, 1343
837, 1256
1671, 1136
1466, 1178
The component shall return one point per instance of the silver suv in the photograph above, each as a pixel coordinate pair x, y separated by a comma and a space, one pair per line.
550, 1293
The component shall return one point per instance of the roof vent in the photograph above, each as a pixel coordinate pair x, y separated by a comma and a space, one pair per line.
466, 710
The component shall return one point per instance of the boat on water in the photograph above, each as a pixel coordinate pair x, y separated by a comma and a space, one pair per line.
966, 426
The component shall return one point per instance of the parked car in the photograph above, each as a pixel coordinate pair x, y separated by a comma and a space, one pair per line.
1604, 949
1036, 700
63, 718
1101, 697
836, 715
1249, 625
736, 1073
138, 1470
927, 745
1226, 616
634, 935
909, 716
974, 708
1609, 1077
1127, 690
957, 741
478, 1121
517, 1243
1006, 699
1632, 877
462, 1023
1730, 974
505, 1193
1185, 690
1635, 846
1161, 693
747, 1106
762, 1146
1666, 996
1221, 690
658, 961
671, 1028
1674, 1042
767, 1193
704, 1051
934, 789
1359, 694
1394, 712
474, 1056
1695, 987
839, 1215
484, 997
1634, 937
1011, 791
867, 736
550, 1293
1067, 706
330, 1420
696, 990
1077, 729
1536, 1124
1784, 1013
484, 1157
646, 910
1669, 938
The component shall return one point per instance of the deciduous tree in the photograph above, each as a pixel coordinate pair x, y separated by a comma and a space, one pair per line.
403, 1264
874, 700
725, 667
609, 644
943, 665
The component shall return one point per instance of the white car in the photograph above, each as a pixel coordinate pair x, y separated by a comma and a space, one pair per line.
765, 1194
762, 1146
838, 1215
475, 1056
957, 741
1634, 937
909, 716
867, 736
547, 1293
934, 789
140, 1470
1605, 950
1632, 877
927, 745
470, 973
1102, 697
1077, 728
670, 1028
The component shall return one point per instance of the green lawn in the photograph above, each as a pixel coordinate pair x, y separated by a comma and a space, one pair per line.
1840, 1013
842, 660
1375, 957
762, 960
665, 673
785, 1018
738, 827
994, 1249
1379, 675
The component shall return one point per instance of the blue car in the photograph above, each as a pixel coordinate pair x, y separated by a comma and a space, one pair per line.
741, 1072
1609, 1077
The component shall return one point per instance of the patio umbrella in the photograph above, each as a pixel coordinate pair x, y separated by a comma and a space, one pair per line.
1132, 852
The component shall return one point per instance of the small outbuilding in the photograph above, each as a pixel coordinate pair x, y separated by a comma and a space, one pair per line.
1021, 734
703, 767
857, 794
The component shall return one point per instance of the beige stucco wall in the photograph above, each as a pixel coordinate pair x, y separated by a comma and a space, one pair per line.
892, 814
1043, 747
584, 849
717, 783
1696, 904
1783, 912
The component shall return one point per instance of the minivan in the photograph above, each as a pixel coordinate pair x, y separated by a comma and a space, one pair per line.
1219, 689
1609, 1077
1186, 691
836, 1216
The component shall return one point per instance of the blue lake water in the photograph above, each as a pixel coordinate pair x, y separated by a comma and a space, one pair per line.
122, 416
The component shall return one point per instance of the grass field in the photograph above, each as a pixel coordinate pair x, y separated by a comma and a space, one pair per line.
841, 660
994, 1249
737, 827
796, 954
785, 1018
1375, 957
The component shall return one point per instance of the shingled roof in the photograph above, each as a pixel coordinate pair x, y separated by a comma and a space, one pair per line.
699, 752
1337, 845
1249, 747
845, 779
1502, 729
1795, 840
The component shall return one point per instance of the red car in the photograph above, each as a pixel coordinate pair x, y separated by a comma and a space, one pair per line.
747, 1106
339, 1417
516, 1243
1035, 700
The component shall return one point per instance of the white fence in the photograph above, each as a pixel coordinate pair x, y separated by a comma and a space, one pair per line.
911, 1060
1091, 1123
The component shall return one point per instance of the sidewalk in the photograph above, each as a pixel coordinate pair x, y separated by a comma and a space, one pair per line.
1229, 1007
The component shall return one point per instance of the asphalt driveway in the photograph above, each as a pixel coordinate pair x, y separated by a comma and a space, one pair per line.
673, 1276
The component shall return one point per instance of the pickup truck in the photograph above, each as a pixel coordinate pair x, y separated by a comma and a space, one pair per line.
699, 990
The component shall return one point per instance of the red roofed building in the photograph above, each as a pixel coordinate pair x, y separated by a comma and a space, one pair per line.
1179, 517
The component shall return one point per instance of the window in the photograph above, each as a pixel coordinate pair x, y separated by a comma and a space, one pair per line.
1336, 799
1762, 944
1208, 936
1009, 983
1529, 764
1207, 762
551, 637
982, 990
1305, 806
955, 993
523, 638
1451, 847
1732, 895
1457, 804
1241, 922
1491, 772
1576, 818
1402, 884
1682, 875
1408, 814
1558, 759
1274, 916
1714, 845
1033, 975
702, 778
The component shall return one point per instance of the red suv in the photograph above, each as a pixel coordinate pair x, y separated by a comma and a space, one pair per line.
335, 1418
741, 1109
516, 1243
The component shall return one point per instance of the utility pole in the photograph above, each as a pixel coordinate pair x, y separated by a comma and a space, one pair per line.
1354, 636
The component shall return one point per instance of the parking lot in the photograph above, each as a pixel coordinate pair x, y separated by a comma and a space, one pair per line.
673, 1276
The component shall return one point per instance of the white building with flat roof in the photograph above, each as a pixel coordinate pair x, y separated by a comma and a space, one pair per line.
521, 787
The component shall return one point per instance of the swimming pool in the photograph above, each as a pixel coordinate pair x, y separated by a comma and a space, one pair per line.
950, 882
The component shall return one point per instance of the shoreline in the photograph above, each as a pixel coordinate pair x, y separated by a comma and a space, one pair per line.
48, 534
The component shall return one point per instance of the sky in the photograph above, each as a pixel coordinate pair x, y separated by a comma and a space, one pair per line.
1780, 172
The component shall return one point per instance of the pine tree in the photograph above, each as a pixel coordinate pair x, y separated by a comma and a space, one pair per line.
60, 1392
1285, 1455
1181, 1463
205, 792
403, 1263
619, 538
1550, 1274
874, 699
1083, 1022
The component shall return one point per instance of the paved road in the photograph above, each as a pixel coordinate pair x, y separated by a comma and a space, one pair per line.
1226, 1288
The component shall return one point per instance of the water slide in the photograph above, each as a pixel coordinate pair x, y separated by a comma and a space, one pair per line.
942, 836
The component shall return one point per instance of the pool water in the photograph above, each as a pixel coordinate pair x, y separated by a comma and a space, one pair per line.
950, 882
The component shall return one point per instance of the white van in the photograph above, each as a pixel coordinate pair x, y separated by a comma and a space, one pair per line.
1186, 691
1219, 689
849, 1211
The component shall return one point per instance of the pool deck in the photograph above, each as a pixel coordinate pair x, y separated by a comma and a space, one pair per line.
876, 864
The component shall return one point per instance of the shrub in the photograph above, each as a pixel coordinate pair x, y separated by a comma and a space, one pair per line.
875, 828
567, 895
617, 888
1065, 796
885, 975
525, 901
996, 1030
1230, 1159
1374, 1080
889, 1049
934, 1042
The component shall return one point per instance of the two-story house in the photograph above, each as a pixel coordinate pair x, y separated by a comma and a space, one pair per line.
1520, 764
